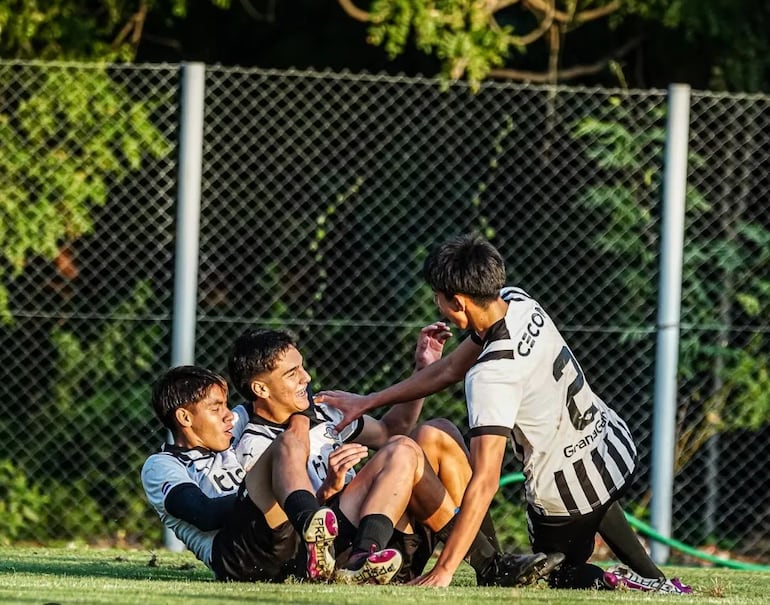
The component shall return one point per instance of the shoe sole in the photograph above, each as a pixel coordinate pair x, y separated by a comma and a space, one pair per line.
541, 569
319, 539
379, 568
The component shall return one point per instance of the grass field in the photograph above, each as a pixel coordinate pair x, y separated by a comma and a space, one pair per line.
116, 577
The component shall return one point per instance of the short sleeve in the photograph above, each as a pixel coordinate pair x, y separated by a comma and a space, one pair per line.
160, 474
493, 396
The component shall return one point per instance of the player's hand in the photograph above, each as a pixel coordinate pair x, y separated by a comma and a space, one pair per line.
351, 405
340, 461
430, 344
435, 577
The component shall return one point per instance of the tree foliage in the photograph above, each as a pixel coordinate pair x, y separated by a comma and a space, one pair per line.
65, 29
725, 384
732, 32
66, 135
726, 39
69, 133
473, 37
101, 30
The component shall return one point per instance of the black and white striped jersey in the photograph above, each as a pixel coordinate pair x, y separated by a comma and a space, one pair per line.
217, 474
324, 439
526, 383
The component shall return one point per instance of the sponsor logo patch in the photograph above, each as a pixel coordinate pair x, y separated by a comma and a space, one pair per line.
529, 336
587, 440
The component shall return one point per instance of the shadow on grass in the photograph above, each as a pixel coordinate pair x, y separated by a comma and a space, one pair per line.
133, 566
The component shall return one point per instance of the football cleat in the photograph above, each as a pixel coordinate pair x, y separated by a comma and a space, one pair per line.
619, 576
319, 534
378, 567
508, 569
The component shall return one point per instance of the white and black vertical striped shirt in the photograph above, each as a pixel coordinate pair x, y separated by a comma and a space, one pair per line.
527, 384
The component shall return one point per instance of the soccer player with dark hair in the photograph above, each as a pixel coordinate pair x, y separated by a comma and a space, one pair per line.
523, 383
376, 505
201, 492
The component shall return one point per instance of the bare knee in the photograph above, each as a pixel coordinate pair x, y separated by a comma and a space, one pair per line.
291, 445
437, 434
404, 448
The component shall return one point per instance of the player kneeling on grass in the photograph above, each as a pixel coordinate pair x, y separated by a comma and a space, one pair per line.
377, 505
203, 495
523, 383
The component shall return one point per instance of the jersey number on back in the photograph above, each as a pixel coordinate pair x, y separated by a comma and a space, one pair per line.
579, 420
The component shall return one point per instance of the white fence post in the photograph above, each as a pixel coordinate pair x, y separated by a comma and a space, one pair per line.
184, 317
669, 306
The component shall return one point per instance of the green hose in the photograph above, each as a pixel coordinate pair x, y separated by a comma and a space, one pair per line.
651, 533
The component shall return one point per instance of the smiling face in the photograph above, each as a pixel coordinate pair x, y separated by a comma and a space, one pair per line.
283, 390
207, 423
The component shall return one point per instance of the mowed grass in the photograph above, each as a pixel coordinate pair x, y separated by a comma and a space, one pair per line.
82, 575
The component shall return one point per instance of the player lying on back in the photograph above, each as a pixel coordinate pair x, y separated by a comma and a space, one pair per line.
374, 506
523, 383
203, 495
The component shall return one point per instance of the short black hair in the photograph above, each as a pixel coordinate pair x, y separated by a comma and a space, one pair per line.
255, 352
182, 386
468, 265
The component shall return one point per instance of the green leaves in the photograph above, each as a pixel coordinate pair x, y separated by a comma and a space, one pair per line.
459, 32
122, 351
63, 29
71, 133
725, 260
21, 503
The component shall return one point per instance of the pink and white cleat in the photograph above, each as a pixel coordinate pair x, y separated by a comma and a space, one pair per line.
319, 534
375, 568
622, 576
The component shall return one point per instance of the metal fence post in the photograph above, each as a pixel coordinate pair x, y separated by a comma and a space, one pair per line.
669, 303
187, 227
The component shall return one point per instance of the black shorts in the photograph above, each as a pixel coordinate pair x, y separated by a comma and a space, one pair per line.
574, 536
416, 550
246, 549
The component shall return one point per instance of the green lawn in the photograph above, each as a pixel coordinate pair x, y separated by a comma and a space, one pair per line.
115, 577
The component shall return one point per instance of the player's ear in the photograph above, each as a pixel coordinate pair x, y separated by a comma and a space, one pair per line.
458, 303
260, 389
183, 417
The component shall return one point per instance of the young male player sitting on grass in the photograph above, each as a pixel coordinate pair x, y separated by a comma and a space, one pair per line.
267, 368
231, 520
523, 383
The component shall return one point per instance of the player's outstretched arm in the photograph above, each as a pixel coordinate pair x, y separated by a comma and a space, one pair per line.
432, 379
402, 418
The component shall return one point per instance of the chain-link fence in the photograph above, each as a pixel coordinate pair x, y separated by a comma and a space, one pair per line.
321, 193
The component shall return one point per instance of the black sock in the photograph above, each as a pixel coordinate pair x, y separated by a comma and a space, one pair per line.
373, 530
480, 554
444, 532
299, 506
622, 540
